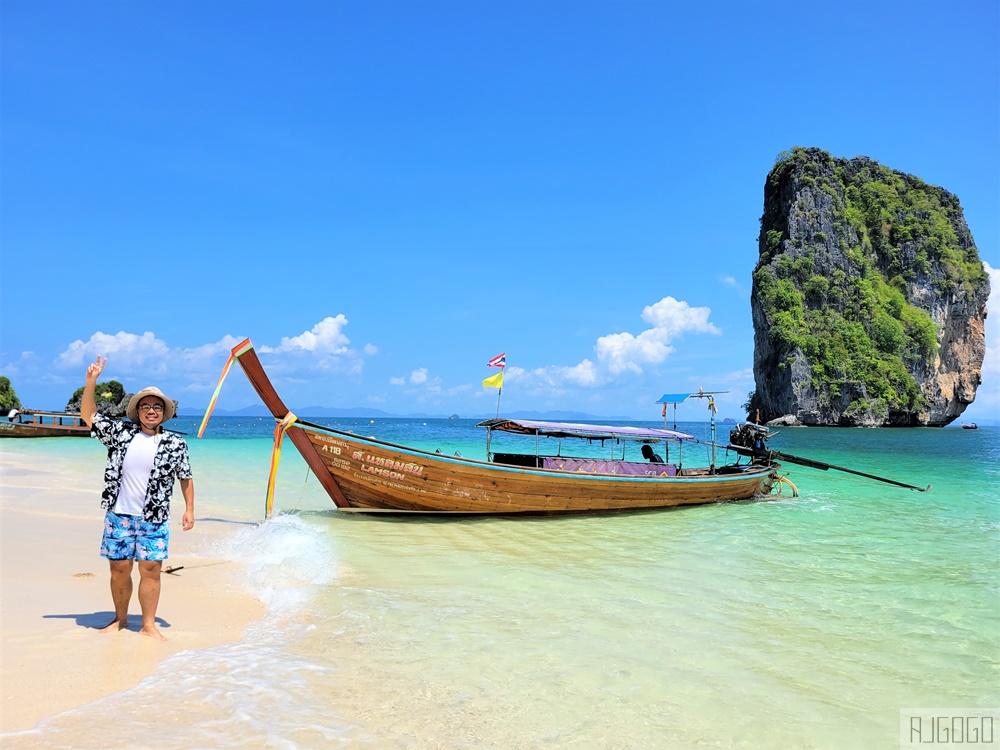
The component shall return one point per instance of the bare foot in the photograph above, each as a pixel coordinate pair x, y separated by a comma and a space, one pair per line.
115, 625
153, 632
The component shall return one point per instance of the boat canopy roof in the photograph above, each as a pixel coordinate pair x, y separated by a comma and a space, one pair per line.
673, 398
585, 431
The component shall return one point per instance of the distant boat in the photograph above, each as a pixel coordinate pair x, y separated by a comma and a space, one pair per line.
970, 426
33, 424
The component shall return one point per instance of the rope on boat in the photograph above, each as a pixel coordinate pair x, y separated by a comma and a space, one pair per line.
782, 481
302, 494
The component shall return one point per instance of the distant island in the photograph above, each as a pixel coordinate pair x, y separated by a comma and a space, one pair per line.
553, 416
363, 412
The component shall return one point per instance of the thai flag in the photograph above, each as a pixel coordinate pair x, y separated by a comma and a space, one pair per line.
498, 361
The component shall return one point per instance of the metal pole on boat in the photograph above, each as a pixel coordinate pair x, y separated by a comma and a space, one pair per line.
710, 395
711, 408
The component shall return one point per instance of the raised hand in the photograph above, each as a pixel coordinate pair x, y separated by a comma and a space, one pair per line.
94, 370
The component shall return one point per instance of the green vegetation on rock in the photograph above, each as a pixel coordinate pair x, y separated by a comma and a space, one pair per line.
110, 393
838, 281
8, 399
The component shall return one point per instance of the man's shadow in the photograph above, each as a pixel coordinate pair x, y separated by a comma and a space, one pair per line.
98, 620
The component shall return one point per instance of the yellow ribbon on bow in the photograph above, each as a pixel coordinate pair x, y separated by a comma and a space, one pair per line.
279, 433
247, 346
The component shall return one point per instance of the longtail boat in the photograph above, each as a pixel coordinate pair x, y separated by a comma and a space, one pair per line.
33, 424
364, 474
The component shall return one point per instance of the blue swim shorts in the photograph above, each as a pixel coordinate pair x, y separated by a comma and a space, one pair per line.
131, 538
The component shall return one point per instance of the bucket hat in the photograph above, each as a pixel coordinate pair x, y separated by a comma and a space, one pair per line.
132, 412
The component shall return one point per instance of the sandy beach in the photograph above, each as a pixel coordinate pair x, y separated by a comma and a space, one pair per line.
55, 595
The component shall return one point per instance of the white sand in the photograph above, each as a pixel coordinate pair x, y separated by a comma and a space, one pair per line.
55, 594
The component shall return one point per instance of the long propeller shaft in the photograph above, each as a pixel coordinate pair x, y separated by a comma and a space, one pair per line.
789, 458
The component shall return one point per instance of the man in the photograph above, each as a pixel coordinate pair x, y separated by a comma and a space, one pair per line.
653, 458
138, 481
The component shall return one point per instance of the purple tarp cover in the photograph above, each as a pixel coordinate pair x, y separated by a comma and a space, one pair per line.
580, 430
599, 466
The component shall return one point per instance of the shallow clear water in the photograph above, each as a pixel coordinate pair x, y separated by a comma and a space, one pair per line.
787, 623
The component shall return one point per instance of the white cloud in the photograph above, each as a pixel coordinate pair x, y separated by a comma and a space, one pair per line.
26, 364
668, 318
326, 337
546, 376
146, 351
584, 374
675, 317
621, 352
427, 389
324, 348
134, 357
733, 283
125, 349
432, 391
205, 354
137, 359
553, 378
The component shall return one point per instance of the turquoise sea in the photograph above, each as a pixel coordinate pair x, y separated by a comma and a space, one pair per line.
807, 622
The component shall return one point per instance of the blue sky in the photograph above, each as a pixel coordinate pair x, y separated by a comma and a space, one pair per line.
385, 195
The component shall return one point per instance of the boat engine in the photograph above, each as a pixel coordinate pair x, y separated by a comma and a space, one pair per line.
753, 437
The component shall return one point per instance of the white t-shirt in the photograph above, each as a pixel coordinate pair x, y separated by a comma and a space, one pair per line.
137, 467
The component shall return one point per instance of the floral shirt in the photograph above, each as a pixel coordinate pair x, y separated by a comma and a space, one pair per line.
171, 461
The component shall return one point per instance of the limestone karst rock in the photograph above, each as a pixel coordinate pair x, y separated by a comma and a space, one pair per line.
869, 297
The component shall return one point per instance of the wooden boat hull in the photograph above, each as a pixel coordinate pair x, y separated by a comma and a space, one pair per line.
369, 475
19, 430
377, 476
